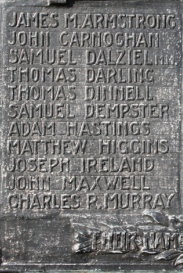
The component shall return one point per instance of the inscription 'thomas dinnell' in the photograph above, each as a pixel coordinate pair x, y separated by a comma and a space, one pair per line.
92, 109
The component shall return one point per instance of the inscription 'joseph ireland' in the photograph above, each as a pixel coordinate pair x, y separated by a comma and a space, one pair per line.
83, 111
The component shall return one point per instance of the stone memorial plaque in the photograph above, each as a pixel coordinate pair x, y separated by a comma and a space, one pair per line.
91, 153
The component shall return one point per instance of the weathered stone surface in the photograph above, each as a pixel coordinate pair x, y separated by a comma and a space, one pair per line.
91, 153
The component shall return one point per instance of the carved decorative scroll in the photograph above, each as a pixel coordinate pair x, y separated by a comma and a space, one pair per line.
161, 237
